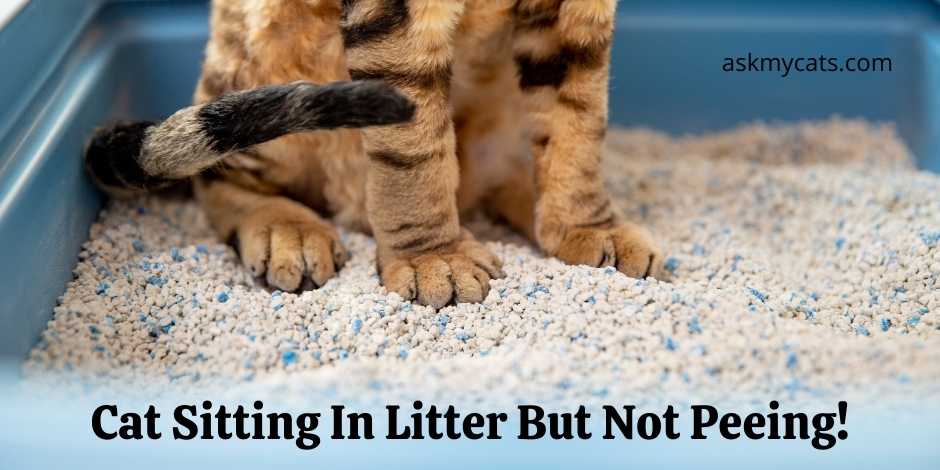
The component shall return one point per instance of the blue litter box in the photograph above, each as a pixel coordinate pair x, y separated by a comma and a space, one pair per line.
71, 65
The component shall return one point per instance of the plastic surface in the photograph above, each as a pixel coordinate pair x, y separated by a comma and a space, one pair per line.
69, 66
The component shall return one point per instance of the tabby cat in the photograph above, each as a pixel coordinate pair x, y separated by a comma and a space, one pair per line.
462, 104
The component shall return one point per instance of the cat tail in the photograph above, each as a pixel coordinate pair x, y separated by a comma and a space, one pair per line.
130, 158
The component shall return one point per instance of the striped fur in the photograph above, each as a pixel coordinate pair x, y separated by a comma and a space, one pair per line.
510, 111
128, 158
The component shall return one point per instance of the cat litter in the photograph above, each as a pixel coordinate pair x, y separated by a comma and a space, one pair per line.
802, 262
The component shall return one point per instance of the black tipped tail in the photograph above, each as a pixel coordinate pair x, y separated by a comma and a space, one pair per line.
242, 119
111, 159
130, 158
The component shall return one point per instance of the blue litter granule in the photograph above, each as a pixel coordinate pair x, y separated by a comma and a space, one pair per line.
278, 307
317, 355
734, 262
930, 238
288, 357
463, 336
343, 354
142, 317
694, 326
94, 329
156, 281
222, 297
698, 250
757, 294
175, 254
442, 321
100, 348
202, 249
138, 246
610, 270
528, 288
814, 296
145, 265
671, 264
402, 352
104, 271
591, 300
914, 320
356, 326
923, 310
671, 343
699, 350
809, 313
141, 210
861, 330
885, 324
840, 242
791, 360
276, 293
102, 288
166, 328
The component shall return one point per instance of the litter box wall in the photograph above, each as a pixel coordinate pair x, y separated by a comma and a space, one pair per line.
97, 60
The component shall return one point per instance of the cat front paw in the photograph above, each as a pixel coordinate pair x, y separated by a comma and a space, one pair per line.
284, 242
460, 273
628, 247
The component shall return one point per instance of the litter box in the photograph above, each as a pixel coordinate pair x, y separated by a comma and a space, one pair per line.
71, 65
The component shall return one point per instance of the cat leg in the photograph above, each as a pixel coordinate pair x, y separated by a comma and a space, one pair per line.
562, 50
276, 237
422, 252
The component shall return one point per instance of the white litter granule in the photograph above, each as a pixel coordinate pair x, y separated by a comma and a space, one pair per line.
803, 259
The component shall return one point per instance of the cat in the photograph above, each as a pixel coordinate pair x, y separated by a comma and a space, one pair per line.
502, 106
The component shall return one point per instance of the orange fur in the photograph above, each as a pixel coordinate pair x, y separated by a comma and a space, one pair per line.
528, 154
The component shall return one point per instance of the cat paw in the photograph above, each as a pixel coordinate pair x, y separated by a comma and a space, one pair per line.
629, 248
286, 242
461, 273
